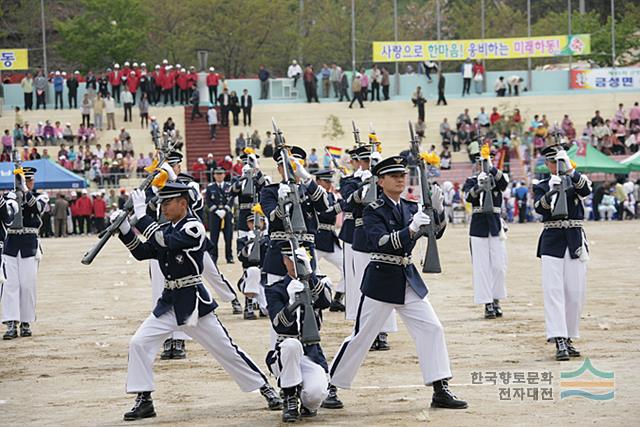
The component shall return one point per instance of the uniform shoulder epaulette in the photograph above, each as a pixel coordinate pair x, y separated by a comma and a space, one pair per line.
378, 203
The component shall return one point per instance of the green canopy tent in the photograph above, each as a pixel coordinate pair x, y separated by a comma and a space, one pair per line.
589, 159
633, 162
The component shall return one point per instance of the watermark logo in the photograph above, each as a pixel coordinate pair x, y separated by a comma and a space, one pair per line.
587, 382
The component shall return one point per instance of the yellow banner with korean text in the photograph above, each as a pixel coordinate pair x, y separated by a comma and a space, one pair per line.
505, 48
14, 59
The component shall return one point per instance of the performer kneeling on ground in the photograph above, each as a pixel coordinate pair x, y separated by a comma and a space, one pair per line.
391, 281
564, 253
301, 369
185, 303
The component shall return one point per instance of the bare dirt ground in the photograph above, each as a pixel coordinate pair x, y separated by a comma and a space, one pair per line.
72, 371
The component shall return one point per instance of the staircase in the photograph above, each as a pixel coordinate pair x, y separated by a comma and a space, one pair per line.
198, 141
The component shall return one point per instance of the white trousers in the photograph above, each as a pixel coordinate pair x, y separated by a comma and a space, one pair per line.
293, 368
157, 286
209, 332
19, 291
423, 326
335, 258
361, 260
489, 263
250, 285
216, 280
564, 285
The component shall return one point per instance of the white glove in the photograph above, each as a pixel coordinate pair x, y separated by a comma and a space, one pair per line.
302, 173
23, 183
283, 191
253, 160
138, 199
437, 198
221, 213
125, 226
482, 178
11, 195
13, 206
365, 175
554, 180
246, 169
294, 287
563, 156
301, 255
357, 173
172, 174
375, 157
419, 219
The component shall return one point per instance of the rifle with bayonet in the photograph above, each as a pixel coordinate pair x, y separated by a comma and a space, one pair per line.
295, 226
489, 183
432, 256
18, 183
560, 209
114, 227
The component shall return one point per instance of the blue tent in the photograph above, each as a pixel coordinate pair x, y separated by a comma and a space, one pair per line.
49, 175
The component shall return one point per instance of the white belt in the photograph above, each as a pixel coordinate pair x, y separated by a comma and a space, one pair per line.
565, 223
347, 215
25, 230
359, 222
183, 282
479, 209
246, 205
327, 227
391, 259
281, 235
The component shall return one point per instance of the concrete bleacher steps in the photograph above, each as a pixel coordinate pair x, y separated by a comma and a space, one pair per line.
198, 140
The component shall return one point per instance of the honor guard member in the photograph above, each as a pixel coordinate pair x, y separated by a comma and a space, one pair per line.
251, 282
219, 199
487, 236
391, 281
348, 185
185, 304
301, 369
327, 242
246, 199
8, 210
563, 250
312, 199
22, 255
360, 248
174, 347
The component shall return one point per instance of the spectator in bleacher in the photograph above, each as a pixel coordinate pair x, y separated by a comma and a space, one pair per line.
18, 135
495, 116
62, 152
58, 86
28, 133
40, 84
110, 150
103, 85
500, 87
169, 126
356, 88
334, 79
84, 209
344, 87
58, 132
236, 170
27, 89
445, 131
267, 151
48, 133
467, 74
67, 133
213, 79
255, 140
39, 133
91, 85
211, 166
364, 80
115, 79
99, 212
7, 141
483, 118
98, 152
473, 149
632, 141
143, 106
420, 128
567, 128
264, 76
376, 79
620, 115
212, 120
34, 155
110, 110
129, 165
226, 165
140, 165
596, 119
195, 103
246, 103
241, 143
419, 100
386, 82
514, 83
445, 158
132, 85
72, 89
98, 111
294, 72
18, 120
127, 103
619, 139
224, 100
313, 161
86, 109
122, 199
234, 107
83, 133
200, 170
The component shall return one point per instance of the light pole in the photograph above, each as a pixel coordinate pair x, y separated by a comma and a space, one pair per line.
44, 40
529, 73
353, 36
613, 33
484, 80
395, 38
569, 31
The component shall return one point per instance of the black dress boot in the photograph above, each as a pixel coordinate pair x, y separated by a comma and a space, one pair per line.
178, 349
336, 303
571, 349
236, 306
248, 313
290, 410
274, 402
562, 352
167, 350
25, 329
12, 330
444, 398
143, 408
497, 308
332, 401
489, 311
306, 412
